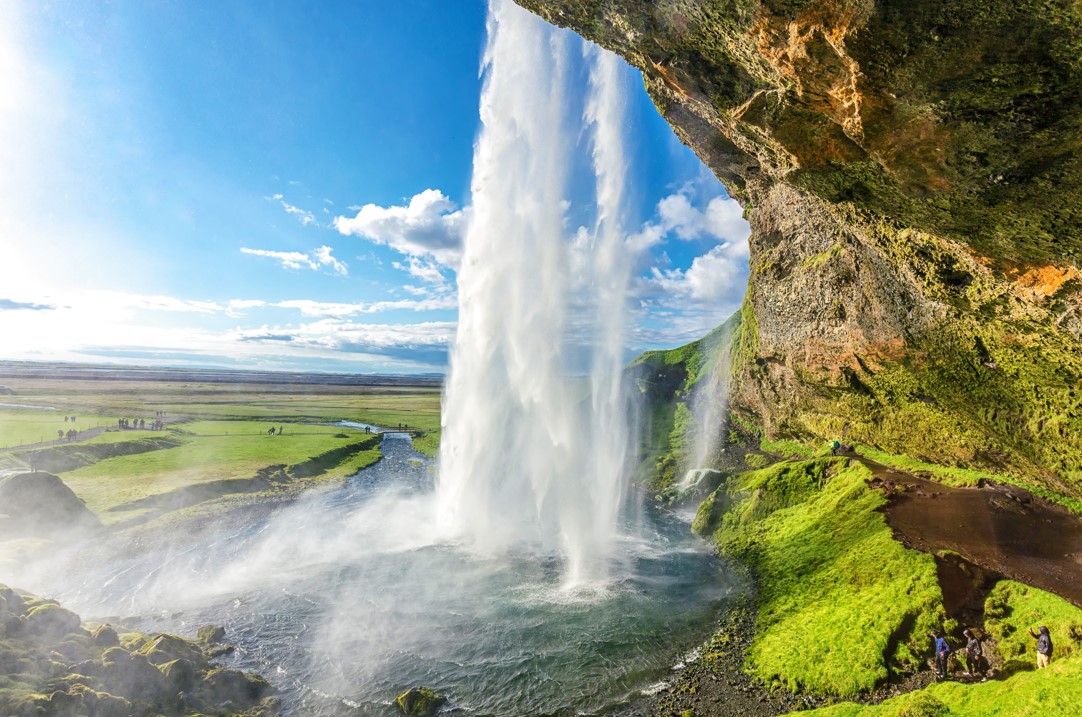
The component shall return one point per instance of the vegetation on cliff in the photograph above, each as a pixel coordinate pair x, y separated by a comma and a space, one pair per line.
671, 382
912, 174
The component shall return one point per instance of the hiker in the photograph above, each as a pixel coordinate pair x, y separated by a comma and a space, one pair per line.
974, 654
942, 653
1044, 646
834, 447
60, 433
271, 431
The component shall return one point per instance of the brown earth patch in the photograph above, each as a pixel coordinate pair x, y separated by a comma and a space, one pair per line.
1003, 530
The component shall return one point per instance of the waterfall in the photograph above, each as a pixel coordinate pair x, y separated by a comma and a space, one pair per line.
531, 455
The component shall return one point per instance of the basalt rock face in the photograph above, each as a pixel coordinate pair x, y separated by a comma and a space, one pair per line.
912, 172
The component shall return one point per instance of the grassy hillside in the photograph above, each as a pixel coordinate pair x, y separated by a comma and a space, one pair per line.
842, 605
669, 382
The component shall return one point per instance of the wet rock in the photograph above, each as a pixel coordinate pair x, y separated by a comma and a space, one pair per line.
180, 675
224, 686
51, 620
166, 648
104, 636
209, 634
420, 701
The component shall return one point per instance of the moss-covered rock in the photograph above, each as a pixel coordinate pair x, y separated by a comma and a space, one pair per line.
420, 701
51, 621
51, 666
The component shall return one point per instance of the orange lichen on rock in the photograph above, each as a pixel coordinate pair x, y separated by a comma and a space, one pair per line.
1041, 282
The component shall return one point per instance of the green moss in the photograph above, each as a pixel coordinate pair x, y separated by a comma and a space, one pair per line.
830, 575
788, 448
420, 701
824, 256
756, 460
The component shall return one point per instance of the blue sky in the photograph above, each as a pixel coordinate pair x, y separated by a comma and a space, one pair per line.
283, 185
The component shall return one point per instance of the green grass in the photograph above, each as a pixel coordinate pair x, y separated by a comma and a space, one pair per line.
217, 434
428, 443
1013, 608
842, 604
114, 482
1010, 609
19, 427
260, 428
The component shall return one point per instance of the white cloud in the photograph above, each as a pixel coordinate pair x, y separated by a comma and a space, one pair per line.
427, 271
722, 220
308, 307
323, 256
314, 259
431, 225
289, 259
716, 276
306, 218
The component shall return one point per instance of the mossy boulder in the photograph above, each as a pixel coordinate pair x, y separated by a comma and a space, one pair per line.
51, 666
104, 636
40, 504
420, 701
163, 648
51, 621
209, 634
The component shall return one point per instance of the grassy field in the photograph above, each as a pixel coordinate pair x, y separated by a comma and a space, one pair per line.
216, 440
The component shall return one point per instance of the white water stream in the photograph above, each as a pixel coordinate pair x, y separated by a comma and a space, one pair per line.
529, 455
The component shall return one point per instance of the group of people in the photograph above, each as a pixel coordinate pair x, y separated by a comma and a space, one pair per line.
139, 424
69, 435
976, 665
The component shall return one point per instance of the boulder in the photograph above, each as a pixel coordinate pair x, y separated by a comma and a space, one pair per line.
50, 620
420, 701
40, 504
104, 636
180, 675
223, 686
209, 635
166, 648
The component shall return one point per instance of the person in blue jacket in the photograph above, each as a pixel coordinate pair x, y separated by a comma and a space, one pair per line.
942, 653
1044, 645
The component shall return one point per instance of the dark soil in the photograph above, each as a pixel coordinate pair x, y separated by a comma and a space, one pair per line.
1003, 530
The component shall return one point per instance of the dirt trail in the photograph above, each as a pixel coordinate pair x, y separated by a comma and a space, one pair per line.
1005, 531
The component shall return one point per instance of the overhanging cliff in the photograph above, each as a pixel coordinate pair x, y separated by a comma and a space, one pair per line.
912, 172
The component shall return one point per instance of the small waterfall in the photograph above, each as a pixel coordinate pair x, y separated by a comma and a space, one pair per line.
531, 456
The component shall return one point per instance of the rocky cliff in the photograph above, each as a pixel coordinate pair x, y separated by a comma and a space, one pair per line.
912, 172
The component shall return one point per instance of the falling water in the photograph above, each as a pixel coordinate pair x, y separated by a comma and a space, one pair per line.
527, 457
